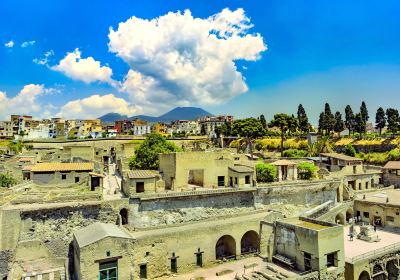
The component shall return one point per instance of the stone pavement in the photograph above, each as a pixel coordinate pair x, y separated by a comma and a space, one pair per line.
112, 184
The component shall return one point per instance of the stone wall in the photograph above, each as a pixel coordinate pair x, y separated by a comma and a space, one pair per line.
177, 210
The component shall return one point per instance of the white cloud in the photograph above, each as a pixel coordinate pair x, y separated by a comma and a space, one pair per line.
25, 102
87, 70
45, 59
27, 44
9, 44
178, 59
97, 105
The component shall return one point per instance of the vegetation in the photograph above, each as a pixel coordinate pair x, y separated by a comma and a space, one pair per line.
294, 153
146, 155
249, 129
349, 118
307, 170
18, 147
6, 180
285, 123
304, 126
350, 150
265, 172
380, 119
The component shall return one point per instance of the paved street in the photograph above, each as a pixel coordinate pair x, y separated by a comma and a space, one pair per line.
112, 184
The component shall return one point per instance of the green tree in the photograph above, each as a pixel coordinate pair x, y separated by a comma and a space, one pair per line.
321, 123
393, 120
307, 170
6, 180
380, 119
263, 121
283, 122
350, 150
339, 123
249, 129
349, 118
329, 119
359, 123
203, 130
147, 154
362, 125
265, 172
302, 118
293, 125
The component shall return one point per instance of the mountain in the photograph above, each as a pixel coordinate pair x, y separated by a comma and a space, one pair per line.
179, 113
112, 117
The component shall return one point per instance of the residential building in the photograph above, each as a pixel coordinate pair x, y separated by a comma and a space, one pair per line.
6, 129
209, 123
185, 126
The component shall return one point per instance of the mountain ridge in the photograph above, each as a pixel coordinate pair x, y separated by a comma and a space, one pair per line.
178, 113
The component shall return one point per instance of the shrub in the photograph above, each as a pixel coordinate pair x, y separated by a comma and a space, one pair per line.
394, 154
349, 150
294, 153
6, 180
265, 172
307, 170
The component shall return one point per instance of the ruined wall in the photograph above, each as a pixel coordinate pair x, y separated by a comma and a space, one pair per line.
55, 227
300, 193
178, 210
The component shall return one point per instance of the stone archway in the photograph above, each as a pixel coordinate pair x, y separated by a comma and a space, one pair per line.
225, 248
250, 242
364, 276
378, 273
349, 214
124, 216
392, 270
340, 219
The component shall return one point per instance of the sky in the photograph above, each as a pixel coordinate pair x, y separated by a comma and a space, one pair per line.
83, 59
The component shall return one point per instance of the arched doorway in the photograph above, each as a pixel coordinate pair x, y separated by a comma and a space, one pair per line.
378, 273
225, 248
250, 243
392, 270
364, 276
339, 219
349, 214
124, 216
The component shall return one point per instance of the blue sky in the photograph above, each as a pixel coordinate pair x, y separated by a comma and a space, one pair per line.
341, 52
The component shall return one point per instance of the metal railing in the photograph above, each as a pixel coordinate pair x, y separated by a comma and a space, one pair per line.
375, 253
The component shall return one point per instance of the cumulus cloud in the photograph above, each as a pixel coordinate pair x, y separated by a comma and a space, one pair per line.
9, 44
177, 59
45, 59
27, 44
96, 105
87, 69
25, 102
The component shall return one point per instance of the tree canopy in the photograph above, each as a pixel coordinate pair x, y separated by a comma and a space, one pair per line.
393, 120
249, 129
349, 118
146, 155
302, 118
285, 123
6, 180
380, 119
339, 123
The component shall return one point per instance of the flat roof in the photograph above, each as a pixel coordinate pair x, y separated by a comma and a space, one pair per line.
241, 169
381, 196
283, 162
357, 247
62, 166
307, 223
141, 174
340, 156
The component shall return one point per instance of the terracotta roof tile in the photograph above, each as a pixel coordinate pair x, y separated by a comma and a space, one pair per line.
61, 166
141, 174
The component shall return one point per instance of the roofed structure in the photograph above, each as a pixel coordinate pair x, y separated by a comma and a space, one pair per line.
283, 162
392, 165
340, 156
141, 174
99, 231
241, 169
62, 166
